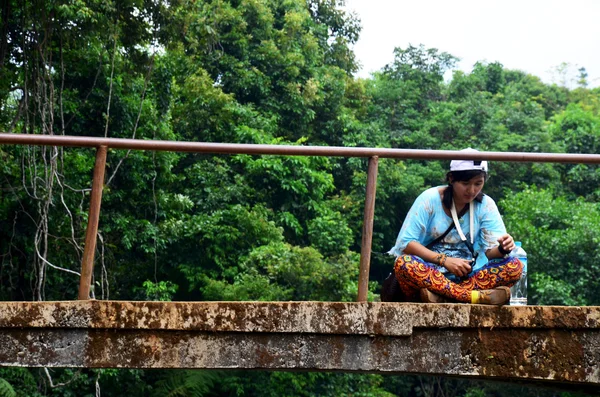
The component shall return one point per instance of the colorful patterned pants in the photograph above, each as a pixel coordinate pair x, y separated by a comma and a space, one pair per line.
413, 274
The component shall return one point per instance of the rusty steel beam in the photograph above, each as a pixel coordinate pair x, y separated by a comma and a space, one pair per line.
560, 345
367, 232
87, 263
288, 150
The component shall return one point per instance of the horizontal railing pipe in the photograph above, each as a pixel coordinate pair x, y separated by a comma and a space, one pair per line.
289, 150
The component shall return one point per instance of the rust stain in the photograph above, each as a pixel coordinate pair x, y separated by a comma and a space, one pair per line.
263, 357
552, 354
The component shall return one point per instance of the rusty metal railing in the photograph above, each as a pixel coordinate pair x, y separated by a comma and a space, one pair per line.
373, 154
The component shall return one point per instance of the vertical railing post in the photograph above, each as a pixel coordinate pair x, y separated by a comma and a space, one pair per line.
87, 264
367, 234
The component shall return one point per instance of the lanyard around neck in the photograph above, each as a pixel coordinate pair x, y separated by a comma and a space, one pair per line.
457, 224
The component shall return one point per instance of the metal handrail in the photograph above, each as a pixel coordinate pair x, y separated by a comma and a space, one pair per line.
290, 150
103, 144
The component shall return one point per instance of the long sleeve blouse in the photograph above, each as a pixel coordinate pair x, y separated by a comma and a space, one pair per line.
427, 220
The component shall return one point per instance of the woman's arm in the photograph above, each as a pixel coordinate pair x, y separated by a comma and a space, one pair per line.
456, 266
417, 249
495, 237
505, 245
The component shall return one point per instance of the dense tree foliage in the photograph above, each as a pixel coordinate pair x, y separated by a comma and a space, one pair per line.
180, 226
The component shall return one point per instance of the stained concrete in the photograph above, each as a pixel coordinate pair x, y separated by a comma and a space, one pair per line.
557, 344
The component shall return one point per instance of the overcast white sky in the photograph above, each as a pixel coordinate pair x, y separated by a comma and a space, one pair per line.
530, 35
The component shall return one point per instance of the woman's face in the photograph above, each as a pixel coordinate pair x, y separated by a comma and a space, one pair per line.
465, 191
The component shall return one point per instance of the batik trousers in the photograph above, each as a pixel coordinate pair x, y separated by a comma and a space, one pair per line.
413, 274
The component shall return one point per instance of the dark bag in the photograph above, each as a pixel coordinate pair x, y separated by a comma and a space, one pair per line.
390, 290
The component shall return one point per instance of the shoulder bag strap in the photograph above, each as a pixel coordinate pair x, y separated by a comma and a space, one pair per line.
441, 237
457, 224
459, 230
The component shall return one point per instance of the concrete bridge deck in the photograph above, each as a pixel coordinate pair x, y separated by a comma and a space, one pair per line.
533, 343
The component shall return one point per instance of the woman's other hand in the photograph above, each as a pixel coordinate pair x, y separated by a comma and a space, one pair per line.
507, 243
458, 267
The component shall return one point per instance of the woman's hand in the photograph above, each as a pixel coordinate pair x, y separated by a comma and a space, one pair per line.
458, 267
507, 243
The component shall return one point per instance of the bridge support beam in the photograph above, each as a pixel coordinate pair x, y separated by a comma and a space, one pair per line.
555, 344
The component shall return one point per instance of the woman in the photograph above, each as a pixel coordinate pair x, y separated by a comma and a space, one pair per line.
463, 257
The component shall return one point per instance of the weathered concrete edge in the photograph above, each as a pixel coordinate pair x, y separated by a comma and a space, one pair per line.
392, 319
538, 354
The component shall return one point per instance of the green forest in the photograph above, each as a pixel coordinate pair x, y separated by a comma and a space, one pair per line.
199, 227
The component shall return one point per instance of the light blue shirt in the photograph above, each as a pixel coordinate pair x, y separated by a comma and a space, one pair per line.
427, 220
